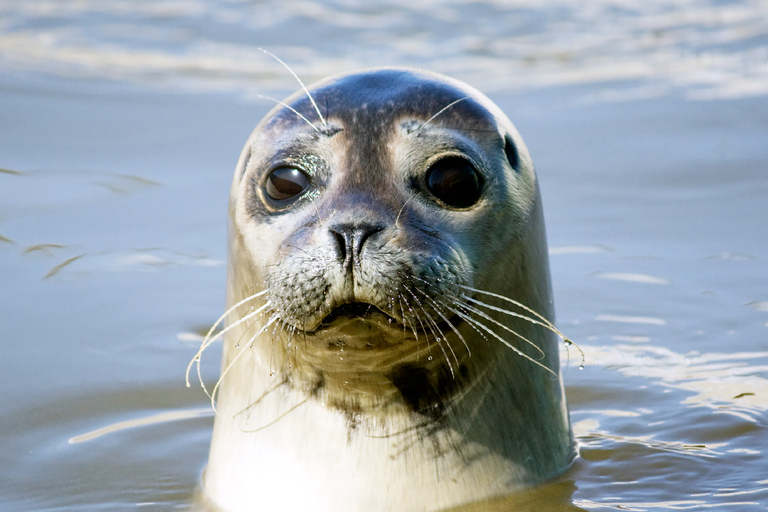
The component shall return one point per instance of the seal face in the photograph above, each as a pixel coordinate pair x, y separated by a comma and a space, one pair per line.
382, 225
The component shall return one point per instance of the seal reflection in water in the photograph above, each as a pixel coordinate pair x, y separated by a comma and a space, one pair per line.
385, 227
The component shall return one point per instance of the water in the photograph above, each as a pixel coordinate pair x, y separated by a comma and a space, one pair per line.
120, 125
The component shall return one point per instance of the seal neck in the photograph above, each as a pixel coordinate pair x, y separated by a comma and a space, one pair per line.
492, 433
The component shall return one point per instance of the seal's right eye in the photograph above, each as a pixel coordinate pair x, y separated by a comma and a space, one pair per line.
286, 183
455, 182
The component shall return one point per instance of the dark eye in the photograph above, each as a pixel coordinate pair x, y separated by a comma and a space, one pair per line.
286, 183
454, 181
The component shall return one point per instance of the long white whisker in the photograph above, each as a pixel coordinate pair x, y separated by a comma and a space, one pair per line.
306, 91
436, 307
397, 219
272, 387
425, 123
205, 342
413, 327
507, 312
511, 331
487, 329
212, 394
545, 322
244, 348
281, 416
432, 326
402, 315
516, 303
310, 123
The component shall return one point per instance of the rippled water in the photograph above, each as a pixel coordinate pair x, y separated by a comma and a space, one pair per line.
121, 122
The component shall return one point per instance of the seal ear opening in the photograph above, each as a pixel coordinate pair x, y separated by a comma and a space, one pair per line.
511, 151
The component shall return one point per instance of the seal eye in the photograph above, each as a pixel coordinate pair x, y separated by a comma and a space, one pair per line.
454, 181
286, 183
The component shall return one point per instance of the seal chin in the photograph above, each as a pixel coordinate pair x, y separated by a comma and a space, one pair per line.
358, 325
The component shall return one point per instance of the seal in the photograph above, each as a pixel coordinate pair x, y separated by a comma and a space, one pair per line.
388, 342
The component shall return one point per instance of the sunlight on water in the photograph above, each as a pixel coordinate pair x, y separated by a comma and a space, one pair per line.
164, 417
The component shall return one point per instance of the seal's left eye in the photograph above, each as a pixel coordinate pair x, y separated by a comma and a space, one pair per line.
454, 181
286, 183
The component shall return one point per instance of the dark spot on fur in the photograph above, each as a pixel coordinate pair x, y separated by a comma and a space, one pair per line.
353, 423
316, 382
425, 392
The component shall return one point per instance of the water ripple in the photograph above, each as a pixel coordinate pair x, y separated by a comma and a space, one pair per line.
705, 50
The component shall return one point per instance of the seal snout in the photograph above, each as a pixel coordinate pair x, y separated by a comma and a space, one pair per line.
349, 238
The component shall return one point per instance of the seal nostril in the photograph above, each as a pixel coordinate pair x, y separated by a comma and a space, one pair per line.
350, 239
342, 244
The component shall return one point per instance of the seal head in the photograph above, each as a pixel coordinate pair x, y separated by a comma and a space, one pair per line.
382, 226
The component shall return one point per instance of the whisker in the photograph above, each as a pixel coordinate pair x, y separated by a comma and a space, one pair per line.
206, 341
436, 307
425, 123
409, 319
244, 348
401, 212
509, 330
568, 344
272, 387
306, 91
281, 416
402, 315
516, 303
236, 345
212, 394
432, 326
548, 325
292, 110
478, 331
545, 322
490, 331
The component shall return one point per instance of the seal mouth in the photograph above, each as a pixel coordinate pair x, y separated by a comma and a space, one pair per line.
357, 310
373, 314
